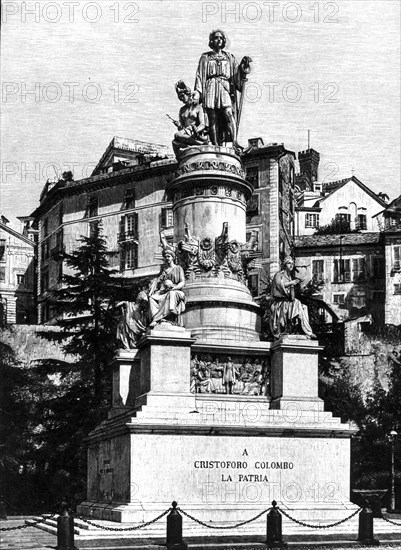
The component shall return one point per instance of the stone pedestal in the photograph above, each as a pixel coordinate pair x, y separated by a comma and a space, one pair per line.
224, 458
209, 197
294, 373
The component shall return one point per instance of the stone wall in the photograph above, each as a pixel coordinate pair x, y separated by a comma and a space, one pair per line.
367, 356
30, 347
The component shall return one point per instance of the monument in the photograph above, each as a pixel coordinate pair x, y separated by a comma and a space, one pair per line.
204, 412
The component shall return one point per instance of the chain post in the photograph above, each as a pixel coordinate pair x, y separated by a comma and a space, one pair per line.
65, 528
274, 534
174, 530
365, 530
3, 508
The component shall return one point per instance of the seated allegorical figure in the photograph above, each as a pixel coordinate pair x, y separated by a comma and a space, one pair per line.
134, 319
166, 298
191, 125
286, 311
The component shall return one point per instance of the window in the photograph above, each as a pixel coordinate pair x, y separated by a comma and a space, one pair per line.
2, 273
252, 236
45, 250
59, 239
339, 299
397, 258
252, 175
129, 199
312, 220
129, 257
361, 222
44, 281
45, 227
2, 249
45, 311
378, 267
253, 284
318, 271
167, 218
92, 207
252, 206
397, 289
92, 228
343, 222
128, 227
342, 272
358, 269
20, 279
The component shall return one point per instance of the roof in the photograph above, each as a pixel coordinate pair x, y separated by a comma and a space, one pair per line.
134, 173
120, 144
347, 239
332, 186
16, 234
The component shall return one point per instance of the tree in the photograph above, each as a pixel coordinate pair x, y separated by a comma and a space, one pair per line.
85, 306
335, 227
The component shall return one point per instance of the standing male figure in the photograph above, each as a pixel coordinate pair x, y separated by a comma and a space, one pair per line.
217, 81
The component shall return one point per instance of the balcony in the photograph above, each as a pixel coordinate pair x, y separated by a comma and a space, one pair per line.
127, 236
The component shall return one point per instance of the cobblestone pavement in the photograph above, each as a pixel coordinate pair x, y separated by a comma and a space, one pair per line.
30, 538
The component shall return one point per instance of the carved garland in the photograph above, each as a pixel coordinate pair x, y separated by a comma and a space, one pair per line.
210, 165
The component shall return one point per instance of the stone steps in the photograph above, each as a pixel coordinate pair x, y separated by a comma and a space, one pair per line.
191, 529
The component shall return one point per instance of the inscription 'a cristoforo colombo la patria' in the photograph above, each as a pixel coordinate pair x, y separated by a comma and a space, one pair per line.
242, 465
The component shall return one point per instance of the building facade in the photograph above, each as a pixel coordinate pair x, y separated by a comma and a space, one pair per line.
127, 192
351, 271
17, 275
391, 227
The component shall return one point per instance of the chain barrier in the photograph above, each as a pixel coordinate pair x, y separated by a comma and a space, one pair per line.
31, 524
223, 526
135, 528
391, 521
320, 526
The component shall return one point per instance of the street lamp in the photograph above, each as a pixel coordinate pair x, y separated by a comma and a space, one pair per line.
393, 437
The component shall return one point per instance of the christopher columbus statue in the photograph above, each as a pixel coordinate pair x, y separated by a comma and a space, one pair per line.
218, 79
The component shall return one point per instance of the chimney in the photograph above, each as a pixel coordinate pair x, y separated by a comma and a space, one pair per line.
309, 165
255, 142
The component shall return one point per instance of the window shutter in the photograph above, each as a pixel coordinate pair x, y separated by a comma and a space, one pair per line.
164, 217
122, 259
122, 226
136, 224
355, 269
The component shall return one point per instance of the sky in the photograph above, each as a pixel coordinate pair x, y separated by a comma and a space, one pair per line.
76, 73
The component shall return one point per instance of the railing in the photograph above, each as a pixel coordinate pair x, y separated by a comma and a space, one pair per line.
127, 236
274, 520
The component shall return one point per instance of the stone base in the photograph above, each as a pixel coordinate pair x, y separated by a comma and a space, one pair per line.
224, 461
294, 374
223, 458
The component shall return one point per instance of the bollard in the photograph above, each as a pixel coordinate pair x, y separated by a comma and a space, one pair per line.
274, 537
65, 528
174, 530
365, 530
3, 508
